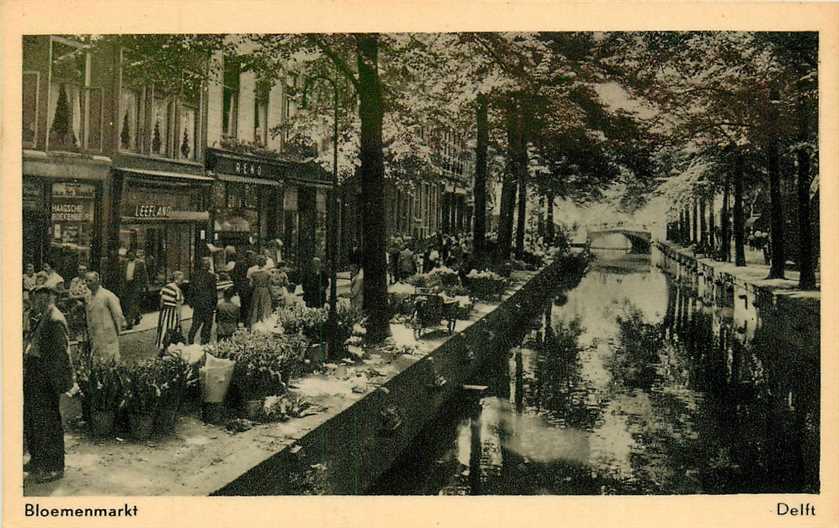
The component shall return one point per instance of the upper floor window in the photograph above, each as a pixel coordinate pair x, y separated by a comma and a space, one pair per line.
67, 84
260, 112
189, 125
30, 88
162, 122
230, 101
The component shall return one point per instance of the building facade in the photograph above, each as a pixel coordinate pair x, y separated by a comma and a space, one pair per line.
114, 162
420, 205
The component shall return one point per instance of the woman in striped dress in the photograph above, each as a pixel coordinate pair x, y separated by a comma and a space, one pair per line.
171, 301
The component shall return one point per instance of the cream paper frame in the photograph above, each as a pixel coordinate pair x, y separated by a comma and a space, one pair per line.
249, 16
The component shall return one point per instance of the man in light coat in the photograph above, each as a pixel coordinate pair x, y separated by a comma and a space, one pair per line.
104, 319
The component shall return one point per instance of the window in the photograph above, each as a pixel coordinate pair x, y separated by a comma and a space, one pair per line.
230, 102
67, 82
131, 128
31, 85
260, 112
72, 211
161, 124
186, 144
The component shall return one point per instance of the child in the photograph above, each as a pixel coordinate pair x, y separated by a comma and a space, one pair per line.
227, 316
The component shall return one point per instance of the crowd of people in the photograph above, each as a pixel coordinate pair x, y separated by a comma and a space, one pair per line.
258, 284
408, 257
252, 286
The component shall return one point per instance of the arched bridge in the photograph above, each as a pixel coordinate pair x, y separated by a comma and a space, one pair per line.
638, 235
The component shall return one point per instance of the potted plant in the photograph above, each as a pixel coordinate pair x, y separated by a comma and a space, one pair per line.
258, 374
142, 399
174, 376
101, 385
486, 284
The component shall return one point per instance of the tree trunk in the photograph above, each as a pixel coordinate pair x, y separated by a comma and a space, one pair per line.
479, 192
806, 262
550, 229
522, 167
508, 188
776, 268
541, 225
712, 243
703, 225
694, 227
371, 113
739, 217
725, 221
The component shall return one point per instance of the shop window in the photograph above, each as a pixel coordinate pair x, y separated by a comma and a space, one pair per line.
31, 84
72, 212
66, 94
230, 97
260, 112
219, 194
165, 248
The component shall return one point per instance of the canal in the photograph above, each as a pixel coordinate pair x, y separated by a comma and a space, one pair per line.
629, 383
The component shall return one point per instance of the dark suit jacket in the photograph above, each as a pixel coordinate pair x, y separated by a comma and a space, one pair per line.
49, 343
203, 292
141, 278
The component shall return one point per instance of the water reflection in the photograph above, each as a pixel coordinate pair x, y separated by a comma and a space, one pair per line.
634, 382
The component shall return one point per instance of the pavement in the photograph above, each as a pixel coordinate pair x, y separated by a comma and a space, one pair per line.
199, 456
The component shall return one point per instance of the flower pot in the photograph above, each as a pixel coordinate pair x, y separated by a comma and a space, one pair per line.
213, 413
316, 353
165, 421
102, 423
141, 425
253, 409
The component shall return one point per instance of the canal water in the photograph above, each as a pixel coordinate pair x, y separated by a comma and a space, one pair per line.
630, 383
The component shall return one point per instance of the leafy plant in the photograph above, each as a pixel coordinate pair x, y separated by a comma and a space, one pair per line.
142, 392
101, 384
173, 377
485, 284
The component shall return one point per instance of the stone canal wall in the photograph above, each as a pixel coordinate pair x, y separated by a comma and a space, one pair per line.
347, 453
792, 315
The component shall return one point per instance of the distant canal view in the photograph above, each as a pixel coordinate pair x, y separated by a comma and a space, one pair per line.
630, 384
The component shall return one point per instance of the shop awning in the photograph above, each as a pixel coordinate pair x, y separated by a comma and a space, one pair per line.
167, 174
246, 179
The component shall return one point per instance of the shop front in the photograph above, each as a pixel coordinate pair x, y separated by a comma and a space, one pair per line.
257, 201
63, 211
165, 221
245, 201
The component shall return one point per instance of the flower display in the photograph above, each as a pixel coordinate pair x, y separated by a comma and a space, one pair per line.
101, 384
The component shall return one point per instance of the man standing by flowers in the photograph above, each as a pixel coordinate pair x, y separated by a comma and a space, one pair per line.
104, 319
47, 373
134, 280
203, 297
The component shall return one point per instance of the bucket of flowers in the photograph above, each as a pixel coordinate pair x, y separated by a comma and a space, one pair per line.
300, 319
174, 378
263, 366
101, 385
443, 278
485, 285
142, 398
